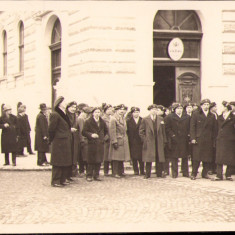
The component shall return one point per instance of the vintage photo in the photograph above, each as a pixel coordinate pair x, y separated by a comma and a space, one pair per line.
117, 116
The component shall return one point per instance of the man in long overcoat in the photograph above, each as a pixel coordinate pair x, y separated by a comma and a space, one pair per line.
177, 131
108, 112
60, 136
95, 130
153, 136
41, 136
135, 143
203, 130
119, 147
10, 134
225, 143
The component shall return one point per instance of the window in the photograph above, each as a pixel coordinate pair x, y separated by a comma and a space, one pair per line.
21, 47
4, 53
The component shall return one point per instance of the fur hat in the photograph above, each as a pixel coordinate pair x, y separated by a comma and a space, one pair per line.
120, 106
176, 105
152, 106
106, 106
205, 101
43, 106
134, 109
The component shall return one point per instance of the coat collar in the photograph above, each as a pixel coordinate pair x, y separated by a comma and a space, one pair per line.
63, 115
229, 118
183, 117
150, 121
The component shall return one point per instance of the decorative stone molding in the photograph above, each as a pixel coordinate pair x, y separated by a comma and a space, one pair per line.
39, 15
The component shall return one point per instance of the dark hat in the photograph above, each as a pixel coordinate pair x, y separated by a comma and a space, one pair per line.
95, 108
81, 106
43, 106
71, 104
120, 106
106, 106
232, 103
87, 109
58, 101
19, 104
212, 104
152, 106
134, 109
176, 105
227, 105
188, 104
205, 101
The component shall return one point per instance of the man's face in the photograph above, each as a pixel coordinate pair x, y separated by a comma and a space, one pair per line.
179, 110
159, 112
205, 106
136, 114
109, 111
121, 112
189, 109
153, 111
72, 109
96, 113
214, 109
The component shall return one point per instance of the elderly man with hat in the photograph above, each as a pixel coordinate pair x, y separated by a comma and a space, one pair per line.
95, 130
82, 156
177, 131
10, 134
203, 131
60, 136
41, 136
225, 147
135, 143
153, 136
119, 147
108, 112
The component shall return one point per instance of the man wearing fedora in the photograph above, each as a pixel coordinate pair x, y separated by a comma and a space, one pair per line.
41, 136
60, 137
153, 136
203, 130
10, 134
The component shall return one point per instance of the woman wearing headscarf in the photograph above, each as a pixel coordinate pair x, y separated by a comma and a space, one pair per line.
60, 136
108, 112
10, 134
73, 118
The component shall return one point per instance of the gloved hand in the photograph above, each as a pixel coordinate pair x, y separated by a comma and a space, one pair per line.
115, 146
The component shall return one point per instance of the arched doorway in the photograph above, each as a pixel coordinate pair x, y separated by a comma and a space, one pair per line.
55, 48
176, 57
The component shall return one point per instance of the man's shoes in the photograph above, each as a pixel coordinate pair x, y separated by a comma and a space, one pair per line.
146, 177
229, 178
70, 179
89, 179
66, 182
57, 185
6, 164
186, 175
161, 176
136, 173
206, 177
174, 176
123, 175
13, 164
210, 173
193, 177
106, 174
216, 179
97, 179
117, 176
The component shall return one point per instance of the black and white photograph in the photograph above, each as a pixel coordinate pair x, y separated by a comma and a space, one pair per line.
117, 116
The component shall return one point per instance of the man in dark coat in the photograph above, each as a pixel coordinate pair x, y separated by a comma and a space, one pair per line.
10, 134
60, 136
135, 143
202, 134
225, 143
153, 136
177, 131
25, 139
41, 136
95, 131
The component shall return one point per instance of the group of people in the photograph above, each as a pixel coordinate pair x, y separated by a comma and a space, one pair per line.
15, 132
81, 138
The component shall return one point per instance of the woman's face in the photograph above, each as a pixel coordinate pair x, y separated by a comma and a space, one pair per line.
96, 113
136, 114
109, 111
72, 109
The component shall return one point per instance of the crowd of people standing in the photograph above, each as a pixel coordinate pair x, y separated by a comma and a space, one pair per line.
81, 138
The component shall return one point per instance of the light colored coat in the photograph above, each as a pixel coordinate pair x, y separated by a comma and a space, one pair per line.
146, 132
117, 131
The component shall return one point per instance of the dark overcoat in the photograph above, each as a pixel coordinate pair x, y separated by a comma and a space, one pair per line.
83, 143
106, 119
225, 144
24, 130
203, 129
95, 145
41, 131
177, 131
9, 134
135, 142
117, 130
60, 137
147, 136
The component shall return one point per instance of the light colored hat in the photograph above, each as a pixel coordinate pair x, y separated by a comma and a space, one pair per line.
6, 107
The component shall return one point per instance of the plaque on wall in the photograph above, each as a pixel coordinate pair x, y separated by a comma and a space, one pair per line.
176, 49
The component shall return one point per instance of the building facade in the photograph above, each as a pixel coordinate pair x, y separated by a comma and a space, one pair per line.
118, 53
